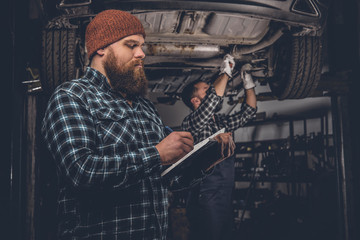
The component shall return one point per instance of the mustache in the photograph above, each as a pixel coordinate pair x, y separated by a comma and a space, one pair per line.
137, 62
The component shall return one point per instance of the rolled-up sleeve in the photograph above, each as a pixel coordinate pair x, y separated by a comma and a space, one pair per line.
238, 119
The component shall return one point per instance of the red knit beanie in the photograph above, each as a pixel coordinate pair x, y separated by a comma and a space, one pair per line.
110, 26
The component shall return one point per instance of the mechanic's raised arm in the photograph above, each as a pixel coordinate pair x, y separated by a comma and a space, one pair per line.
249, 85
226, 69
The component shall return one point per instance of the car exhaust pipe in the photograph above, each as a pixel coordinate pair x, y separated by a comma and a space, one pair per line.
206, 51
238, 51
187, 51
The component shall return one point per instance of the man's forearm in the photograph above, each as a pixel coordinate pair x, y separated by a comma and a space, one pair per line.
251, 97
220, 84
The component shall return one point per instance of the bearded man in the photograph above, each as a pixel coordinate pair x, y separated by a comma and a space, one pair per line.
109, 143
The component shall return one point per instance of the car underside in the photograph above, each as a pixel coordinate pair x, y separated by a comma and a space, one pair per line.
187, 40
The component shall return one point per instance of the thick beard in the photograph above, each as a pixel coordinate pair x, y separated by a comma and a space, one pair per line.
127, 79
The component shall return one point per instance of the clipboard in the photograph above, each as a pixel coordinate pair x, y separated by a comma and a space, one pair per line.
204, 154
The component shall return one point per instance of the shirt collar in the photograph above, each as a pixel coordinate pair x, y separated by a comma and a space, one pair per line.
97, 78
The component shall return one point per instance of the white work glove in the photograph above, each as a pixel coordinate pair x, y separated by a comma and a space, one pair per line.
246, 76
227, 66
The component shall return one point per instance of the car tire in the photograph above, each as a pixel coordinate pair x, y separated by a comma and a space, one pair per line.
298, 65
60, 57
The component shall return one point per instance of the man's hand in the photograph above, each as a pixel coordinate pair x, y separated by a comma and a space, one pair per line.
227, 147
246, 76
174, 147
227, 66
227, 144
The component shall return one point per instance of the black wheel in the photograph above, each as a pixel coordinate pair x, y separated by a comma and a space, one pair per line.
298, 66
63, 57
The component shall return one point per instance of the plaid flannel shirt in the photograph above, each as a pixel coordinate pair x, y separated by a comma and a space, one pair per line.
203, 122
108, 167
